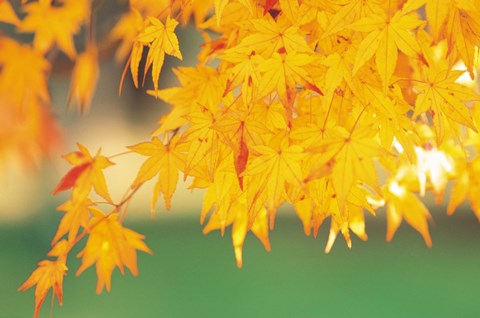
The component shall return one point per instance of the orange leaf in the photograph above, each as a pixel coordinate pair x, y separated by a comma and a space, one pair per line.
344, 222
54, 24
110, 245
49, 274
446, 98
23, 74
403, 204
84, 78
387, 34
161, 40
76, 214
164, 161
86, 173
275, 168
68, 181
8, 14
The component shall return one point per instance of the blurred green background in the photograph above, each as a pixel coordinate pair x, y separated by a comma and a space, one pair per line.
193, 275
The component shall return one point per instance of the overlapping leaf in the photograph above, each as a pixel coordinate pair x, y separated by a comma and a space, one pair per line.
48, 275
386, 35
86, 174
110, 245
165, 161
55, 25
446, 99
161, 40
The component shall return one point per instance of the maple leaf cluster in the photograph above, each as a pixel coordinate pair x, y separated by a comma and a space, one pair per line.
335, 107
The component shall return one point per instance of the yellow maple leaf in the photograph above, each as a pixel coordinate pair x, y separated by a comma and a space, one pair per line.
352, 219
457, 21
84, 78
49, 274
352, 155
126, 31
28, 130
110, 245
8, 14
282, 73
464, 29
445, 98
390, 115
230, 205
233, 12
338, 71
203, 85
237, 215
164, 161
243, 71
274, 167
319, 201
243, 224
202, 139
240, 122
436, 165
386, 35
466, 186
273, 117
403, 204
77, 214
161, 40
219, 7
28, 133
54, 25
437, 12
348, 13
269, 36
223, 192
314, 206
241, 127
23, 74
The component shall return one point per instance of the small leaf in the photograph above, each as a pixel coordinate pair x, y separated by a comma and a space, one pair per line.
49, 274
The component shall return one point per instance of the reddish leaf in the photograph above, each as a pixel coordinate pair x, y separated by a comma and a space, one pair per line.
87, 172
68, 181
268, 5
241, 158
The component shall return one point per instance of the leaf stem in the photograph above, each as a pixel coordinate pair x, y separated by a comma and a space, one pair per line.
355, 124
127, 197
124, 73
407, 79
120, 154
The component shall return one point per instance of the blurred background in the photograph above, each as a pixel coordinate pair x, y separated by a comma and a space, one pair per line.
193, 275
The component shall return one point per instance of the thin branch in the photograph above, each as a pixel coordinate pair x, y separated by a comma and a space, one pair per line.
120, 154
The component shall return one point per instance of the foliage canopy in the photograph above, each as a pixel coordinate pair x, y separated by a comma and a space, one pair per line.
336, 107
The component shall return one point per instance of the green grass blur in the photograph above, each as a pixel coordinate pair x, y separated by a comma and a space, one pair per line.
192, 275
